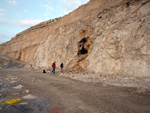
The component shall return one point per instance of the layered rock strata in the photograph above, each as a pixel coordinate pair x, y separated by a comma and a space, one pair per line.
102, 36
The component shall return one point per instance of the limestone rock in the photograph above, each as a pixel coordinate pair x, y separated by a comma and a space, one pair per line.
102, 36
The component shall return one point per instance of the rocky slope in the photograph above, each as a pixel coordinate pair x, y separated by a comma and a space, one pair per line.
6, 62
102, 36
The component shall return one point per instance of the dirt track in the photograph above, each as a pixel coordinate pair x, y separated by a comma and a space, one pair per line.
63, 95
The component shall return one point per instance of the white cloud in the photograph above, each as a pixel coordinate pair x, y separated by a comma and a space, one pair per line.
48, 10
2, 21
2, 11
1, 14
47, 7
71, 5
12, 2
63, 6
27, 23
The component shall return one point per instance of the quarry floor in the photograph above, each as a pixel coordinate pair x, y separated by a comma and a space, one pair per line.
50, 93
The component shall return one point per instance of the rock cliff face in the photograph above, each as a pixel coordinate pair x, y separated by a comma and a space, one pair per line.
102, 36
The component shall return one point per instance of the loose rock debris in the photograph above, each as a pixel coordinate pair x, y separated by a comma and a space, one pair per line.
10, 94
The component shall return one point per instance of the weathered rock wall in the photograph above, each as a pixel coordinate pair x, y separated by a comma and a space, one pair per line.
32, 37
123, 43
115, 41
102, 36
24, 45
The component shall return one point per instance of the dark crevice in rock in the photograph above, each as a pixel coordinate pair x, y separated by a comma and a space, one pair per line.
81, 46
128, 4
83, 51
84, 40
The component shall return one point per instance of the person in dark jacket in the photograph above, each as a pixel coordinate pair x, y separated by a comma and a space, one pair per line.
54, 66
61, 66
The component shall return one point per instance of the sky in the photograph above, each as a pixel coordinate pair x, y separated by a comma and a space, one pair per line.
18, 15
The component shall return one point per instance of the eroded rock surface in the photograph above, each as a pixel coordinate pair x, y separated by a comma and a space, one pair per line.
102, 36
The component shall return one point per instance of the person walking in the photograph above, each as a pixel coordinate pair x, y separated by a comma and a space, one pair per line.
54, 66
61, 66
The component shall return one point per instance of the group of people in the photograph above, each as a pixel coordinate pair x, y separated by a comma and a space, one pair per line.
54, 66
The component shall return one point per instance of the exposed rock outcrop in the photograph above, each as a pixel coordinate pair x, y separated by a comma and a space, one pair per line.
102, 36
6, 62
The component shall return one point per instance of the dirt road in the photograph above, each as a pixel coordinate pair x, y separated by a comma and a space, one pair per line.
50, 93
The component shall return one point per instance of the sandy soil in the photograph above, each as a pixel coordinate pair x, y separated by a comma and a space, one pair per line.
49, 93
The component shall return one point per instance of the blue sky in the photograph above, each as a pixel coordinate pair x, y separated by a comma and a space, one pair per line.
18, 15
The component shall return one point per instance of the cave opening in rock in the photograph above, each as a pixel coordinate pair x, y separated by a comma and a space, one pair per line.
83, 51
84, 40
81, 47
